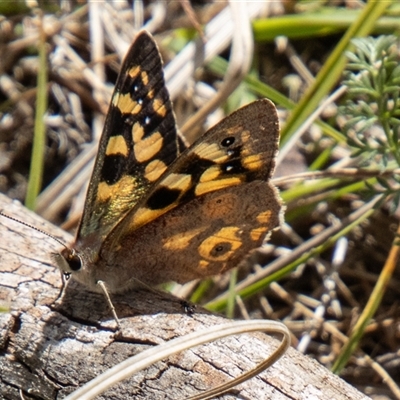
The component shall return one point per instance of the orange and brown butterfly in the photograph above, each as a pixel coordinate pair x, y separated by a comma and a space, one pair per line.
157, 211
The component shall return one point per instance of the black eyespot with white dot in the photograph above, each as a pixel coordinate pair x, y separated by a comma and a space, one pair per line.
220, 249
227, 142
129, 119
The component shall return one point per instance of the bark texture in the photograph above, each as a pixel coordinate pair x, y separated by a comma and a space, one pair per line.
48, 348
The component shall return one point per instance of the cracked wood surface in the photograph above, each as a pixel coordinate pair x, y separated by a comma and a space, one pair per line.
49, 349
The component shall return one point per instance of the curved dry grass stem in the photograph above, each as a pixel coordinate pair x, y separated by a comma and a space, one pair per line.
157, 353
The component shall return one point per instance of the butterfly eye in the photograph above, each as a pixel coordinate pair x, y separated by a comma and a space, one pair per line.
67, 261
228, 141
74, 262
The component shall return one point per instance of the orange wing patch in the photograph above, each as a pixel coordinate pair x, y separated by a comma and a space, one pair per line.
124, 102
117, 145
147, 148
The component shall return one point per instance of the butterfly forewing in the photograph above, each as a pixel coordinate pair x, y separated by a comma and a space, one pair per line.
138, 143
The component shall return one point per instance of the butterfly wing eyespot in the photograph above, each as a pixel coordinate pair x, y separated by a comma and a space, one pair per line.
220, 249
226, 142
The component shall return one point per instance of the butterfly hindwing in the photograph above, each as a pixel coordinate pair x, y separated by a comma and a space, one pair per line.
204, 237
138, 143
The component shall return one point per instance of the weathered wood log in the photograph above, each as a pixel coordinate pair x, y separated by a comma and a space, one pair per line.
50, 348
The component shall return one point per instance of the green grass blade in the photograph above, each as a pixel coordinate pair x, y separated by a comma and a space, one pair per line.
230, 309
39, 137
322, 22
333, 68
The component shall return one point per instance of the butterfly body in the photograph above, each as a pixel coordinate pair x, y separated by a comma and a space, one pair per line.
157, 212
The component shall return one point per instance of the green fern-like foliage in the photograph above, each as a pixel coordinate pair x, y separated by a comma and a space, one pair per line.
373, 108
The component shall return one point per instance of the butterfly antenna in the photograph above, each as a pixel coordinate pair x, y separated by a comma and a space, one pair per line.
33, 227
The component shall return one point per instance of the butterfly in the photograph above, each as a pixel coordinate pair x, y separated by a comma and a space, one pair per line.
157, 210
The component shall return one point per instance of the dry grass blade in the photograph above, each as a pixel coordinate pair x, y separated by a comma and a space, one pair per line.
151, 356
239, 65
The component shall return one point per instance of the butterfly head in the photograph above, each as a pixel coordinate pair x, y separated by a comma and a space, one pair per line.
75, 263
72, 263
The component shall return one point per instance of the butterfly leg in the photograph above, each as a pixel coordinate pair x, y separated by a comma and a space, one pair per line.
188, 307
111, 305
64, 282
